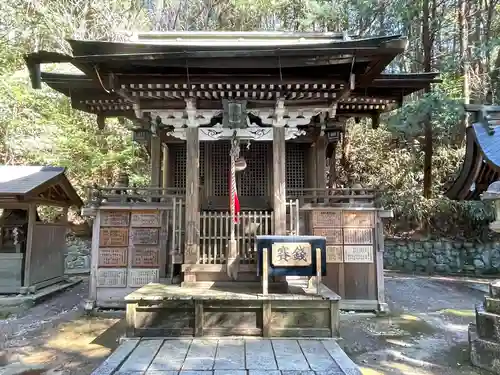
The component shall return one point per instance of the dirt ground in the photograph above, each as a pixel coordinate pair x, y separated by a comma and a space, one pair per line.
425, 333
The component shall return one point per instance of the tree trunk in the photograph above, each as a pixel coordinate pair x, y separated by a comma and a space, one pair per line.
427, 43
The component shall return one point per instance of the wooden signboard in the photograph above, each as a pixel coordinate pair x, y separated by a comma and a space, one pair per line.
113, 237
139, 277
145, 236
145, 219
358, 219
112, 278
358, 236
333, 235
327, 218
113, 257
145, 257
114, 219
334, 254
358, 254
291, 254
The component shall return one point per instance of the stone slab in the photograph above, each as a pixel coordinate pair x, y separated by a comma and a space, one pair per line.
170, 356
142, 356
488, 324
318, 357
289, 355
483, 353
260, 355
228, 356
492, 305
201, 355
495, 289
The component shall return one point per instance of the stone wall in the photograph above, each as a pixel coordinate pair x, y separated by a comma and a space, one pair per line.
77, 257
442, 256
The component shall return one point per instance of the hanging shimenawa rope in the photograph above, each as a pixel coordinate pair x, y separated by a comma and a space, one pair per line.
233, 200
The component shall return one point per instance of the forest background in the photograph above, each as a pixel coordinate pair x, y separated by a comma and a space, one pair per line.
412, 157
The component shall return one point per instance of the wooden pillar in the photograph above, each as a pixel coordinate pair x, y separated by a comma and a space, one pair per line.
164, 170
279, 180
29, 244
155, 161
192, 237
320, 163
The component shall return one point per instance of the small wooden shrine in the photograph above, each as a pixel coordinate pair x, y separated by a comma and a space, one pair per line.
239, 127
32, 251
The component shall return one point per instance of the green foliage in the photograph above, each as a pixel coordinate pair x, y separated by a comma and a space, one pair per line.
40, 127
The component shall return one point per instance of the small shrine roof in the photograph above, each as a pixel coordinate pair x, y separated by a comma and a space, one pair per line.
25, 183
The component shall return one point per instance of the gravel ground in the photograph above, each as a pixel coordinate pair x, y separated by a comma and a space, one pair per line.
425, 333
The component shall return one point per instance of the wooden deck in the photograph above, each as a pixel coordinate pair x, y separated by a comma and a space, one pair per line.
228, 356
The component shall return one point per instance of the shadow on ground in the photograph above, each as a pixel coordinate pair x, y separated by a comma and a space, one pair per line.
425, 333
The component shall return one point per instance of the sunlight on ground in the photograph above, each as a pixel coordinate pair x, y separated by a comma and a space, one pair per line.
409, 317
79, 345
78, 336
399, 343
405, 369
369, 371
460, 313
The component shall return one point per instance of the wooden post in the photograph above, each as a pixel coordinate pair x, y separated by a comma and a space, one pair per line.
320, 163
279, 180
192, 237
265, 271
318, 270
155, 161
164, 174
96, 232
29, 245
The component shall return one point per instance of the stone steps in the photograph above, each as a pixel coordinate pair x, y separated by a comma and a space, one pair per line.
488, 324
484, 353
484, 336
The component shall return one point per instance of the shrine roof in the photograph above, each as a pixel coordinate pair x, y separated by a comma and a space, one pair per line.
29, 182
161, 70
481, 165
283, 54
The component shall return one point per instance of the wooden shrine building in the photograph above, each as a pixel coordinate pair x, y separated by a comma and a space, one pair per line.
32, 250
257, 114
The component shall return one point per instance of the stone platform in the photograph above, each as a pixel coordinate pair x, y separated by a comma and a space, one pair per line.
484, 336
158, 310
253, 356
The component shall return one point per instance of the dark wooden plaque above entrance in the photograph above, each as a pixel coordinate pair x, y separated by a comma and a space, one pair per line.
114, 219
113, 257
113, 237
145, 219
145, 257
145, 236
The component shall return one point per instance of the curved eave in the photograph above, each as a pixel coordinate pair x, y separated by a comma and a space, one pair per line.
481, 165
